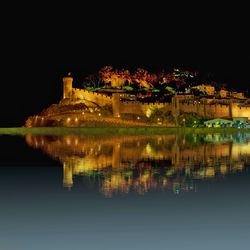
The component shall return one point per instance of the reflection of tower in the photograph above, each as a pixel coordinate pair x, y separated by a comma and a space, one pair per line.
67, 175
67, 86
175, 153
116, 155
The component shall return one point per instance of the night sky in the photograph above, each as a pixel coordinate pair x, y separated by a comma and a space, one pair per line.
41, 43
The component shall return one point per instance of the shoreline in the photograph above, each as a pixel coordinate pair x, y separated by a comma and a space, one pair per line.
116, 130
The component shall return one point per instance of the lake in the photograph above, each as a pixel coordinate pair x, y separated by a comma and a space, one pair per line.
174, 191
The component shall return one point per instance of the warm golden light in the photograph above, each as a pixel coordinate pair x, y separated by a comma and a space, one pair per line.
143, 94
131, 163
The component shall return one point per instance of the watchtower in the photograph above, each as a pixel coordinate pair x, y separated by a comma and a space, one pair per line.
67, 85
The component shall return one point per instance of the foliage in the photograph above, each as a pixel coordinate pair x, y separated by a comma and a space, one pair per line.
128, 88
137, 79
190, 120
170, 89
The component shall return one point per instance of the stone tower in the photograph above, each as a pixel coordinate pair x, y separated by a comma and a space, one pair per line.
67, 86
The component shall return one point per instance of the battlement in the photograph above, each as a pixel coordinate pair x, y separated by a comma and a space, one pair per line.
81, 93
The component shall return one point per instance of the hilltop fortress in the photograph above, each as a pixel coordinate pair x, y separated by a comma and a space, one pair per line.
80, 107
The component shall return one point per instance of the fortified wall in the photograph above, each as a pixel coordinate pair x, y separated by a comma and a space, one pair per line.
204, 110
75, 93
146, 109
216, 110
100, 99
177, 105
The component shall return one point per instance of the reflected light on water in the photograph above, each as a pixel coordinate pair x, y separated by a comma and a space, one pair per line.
141, 163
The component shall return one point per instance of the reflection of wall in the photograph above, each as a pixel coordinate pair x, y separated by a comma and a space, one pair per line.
131, 161
239, 150
100, 153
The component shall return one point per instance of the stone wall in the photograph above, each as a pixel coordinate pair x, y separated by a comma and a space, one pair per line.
205, 110
98, 98
240, 111
143, 108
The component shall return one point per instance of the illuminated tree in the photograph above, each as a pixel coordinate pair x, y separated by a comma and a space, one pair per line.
125, 75
117, 78
105, 74
141, 76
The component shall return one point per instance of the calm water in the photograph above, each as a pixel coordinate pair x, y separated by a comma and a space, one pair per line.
125, 192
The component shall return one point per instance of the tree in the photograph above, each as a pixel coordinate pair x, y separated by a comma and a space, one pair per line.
141, 76
117, 78
105, 74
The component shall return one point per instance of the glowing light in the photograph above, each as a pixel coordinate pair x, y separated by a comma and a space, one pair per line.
68, 119
76, 119
138, 118
99, 114
149, 149
82, 113
209, 172
76, 141
223, 169
148, 113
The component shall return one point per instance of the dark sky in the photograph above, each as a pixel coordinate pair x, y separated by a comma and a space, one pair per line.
41, 43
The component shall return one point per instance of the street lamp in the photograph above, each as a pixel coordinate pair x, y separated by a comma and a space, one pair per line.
184, 122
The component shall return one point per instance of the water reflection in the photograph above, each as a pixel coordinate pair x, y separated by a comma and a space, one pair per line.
121, 164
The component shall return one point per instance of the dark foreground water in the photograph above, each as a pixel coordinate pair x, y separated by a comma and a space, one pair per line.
133, 192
